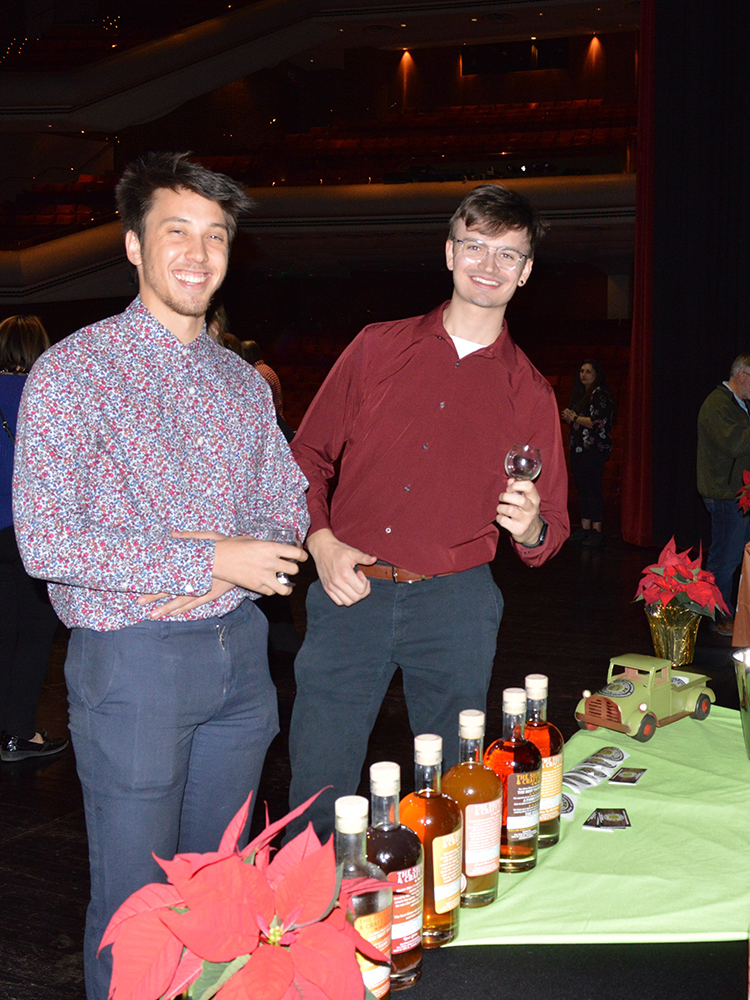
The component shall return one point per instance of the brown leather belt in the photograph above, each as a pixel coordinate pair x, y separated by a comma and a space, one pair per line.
382, 571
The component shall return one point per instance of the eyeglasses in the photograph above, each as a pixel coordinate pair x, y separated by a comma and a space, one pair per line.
475, 252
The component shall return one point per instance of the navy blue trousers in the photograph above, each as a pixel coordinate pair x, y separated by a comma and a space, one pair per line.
730, 533
442, 633
170, 724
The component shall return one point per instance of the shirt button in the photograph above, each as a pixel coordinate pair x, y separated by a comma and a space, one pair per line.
425, 446
189, 588
458, 363
442, 406
406, 489
191, 390
201, 440
387, 531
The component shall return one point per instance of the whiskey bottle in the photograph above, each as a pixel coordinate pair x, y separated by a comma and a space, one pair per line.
397, 851
372, 910
549, 742
518, 764
436, 820
479, 793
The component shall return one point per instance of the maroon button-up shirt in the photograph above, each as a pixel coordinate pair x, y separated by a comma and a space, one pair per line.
421, 439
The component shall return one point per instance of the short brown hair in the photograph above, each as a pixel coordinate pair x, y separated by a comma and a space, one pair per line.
22, 340
153, 171
492, 208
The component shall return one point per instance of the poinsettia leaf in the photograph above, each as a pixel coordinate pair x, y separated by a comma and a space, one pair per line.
217, 932
226, 881
291, 854
233, 831
214, 976
303, 989
325, 956
154, 896
266, 976
363, 945
309, 887
267, 835
187, 972
182, 867
144, 958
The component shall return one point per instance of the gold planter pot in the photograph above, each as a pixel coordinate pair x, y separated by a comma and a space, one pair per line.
674, 630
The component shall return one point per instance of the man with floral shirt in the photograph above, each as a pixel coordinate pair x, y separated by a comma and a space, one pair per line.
148, 458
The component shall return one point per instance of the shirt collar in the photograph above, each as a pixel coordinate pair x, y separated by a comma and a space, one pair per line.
144, 332
431, 325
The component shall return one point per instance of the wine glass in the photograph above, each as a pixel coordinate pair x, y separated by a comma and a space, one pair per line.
523, 461
270, 531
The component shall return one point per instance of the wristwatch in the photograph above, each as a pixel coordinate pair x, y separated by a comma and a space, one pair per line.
542, 535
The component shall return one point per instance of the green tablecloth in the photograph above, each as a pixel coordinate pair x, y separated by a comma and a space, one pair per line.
680, 873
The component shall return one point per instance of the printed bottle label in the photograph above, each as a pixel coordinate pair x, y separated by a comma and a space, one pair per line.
482, 837
552, 772
523, 806
376, 928
446, 871
407, 908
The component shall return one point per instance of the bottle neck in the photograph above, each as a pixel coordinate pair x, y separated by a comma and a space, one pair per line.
513, 725
349, 847
384, 810
427, 778
470, 750
536, 710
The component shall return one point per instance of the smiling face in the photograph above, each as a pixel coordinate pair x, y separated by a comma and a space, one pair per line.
182, 259
485, 284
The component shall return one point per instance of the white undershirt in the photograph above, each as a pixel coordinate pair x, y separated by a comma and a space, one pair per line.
465, 347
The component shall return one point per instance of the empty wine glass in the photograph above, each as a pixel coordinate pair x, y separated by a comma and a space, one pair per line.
523, 461
270, 531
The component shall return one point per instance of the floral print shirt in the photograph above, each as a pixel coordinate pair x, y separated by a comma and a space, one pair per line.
601, 412
126, 434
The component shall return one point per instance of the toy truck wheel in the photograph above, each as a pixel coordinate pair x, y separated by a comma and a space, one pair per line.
702, 706
586, 725
646, 729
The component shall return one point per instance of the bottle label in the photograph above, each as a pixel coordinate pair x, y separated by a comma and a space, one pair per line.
376, 928
407, 908
552, 772
446, 871
523, 806
482, 837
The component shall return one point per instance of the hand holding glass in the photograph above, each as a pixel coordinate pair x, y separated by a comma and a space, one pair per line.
523, 461
268, 531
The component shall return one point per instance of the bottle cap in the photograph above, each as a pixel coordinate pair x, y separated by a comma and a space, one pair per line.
351, 814
514, 701
385, 778
471, 724
428, 749
536, 686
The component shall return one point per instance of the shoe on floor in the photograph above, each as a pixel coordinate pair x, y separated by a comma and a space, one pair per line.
724, 626
594, 538
14, 748
578, 536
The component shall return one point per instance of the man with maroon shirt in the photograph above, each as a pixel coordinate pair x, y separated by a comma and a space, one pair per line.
420, 414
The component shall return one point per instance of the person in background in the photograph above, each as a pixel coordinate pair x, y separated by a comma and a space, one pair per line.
27, 620
723, 455
590, 416
147, 458
251, 353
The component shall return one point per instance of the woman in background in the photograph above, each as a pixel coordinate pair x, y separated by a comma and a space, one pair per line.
590, 416
27, 621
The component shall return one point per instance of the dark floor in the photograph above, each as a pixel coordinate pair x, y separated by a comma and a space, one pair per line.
565, 619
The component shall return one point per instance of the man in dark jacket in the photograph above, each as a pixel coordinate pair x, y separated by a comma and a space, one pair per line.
723, 455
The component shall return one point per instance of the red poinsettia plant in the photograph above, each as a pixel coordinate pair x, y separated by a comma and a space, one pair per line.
678, 579
238, 924
744, 492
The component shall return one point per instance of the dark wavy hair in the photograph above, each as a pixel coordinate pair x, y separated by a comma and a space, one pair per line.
492, 208
22, 340
580, 395
152, 171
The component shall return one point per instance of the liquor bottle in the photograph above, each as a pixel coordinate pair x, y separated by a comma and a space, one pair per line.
549, 742
373, 911
479, 793
436, 820
518, 764
397, 851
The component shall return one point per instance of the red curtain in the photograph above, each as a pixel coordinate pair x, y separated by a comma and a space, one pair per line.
636, 478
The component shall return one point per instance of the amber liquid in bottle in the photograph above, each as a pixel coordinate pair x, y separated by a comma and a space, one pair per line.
436, 820
549, 742
478, 792
518, 764
397, 851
